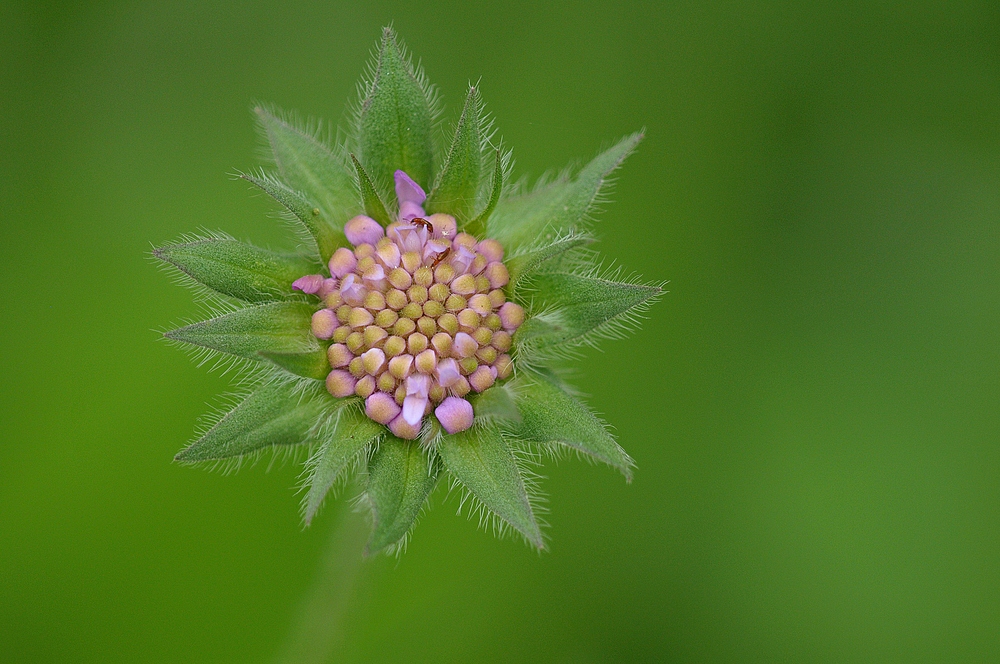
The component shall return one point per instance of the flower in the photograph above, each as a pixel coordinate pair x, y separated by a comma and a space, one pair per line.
420, 333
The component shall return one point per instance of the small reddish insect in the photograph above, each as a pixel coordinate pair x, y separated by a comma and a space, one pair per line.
440, 257
420, 221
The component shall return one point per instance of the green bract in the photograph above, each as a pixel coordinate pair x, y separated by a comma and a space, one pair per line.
270, 329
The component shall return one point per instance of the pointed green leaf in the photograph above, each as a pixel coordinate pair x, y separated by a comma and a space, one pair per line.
309, 364
550, 415
310, 167
483, 461
396, 120
458, 183
477, 226
525, 264
559, 206
352, 433
374, 207
240, 270
578, 309
400, 477
275, 414
281, 327
327, 237
495, 404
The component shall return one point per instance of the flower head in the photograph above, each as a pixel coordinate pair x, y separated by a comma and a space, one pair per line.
419, 335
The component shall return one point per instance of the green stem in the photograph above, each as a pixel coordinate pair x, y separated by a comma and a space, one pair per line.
318, 628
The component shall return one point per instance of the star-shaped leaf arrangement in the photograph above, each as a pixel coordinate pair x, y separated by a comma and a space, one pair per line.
421, 333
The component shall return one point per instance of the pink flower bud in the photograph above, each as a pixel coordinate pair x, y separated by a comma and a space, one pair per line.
447, 372
497, 274
381, 407
374, 360
464, 285
480, 304
511, 316
388, 256
339, 355
324, 322
310, 283
416, 399
409, 237
481, 379
400, 366
426, 361
461, 257
363, 230
403, 429
444, 226
408, 191
328, 286
340, 383
491, 249
342, 262
464, 346
352, 290
455, 414
408, 211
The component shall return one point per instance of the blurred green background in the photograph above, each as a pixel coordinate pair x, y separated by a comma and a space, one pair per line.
813, 406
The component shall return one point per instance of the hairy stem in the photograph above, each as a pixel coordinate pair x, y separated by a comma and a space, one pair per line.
318, 627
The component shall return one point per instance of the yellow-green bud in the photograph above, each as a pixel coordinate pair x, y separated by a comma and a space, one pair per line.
394, 346
444, 273
403, 327
374, 336
504, 367
501, 341
365, 387
427, 326
433, 308
442, 344
400, 278
423, 277
417, 294
411, 261
448, 323
461, 387
396, 299
487, 354
497, 298
355, 341
426, 361
464, 285
469, 320
365, 264
416, 343
385, 382
360, 317
387, 317
374, 301
333, 299
483, 335
438, 292
412, 311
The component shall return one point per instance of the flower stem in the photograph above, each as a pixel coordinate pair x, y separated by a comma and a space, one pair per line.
318, 626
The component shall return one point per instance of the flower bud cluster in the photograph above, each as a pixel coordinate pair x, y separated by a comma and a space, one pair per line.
418, 319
